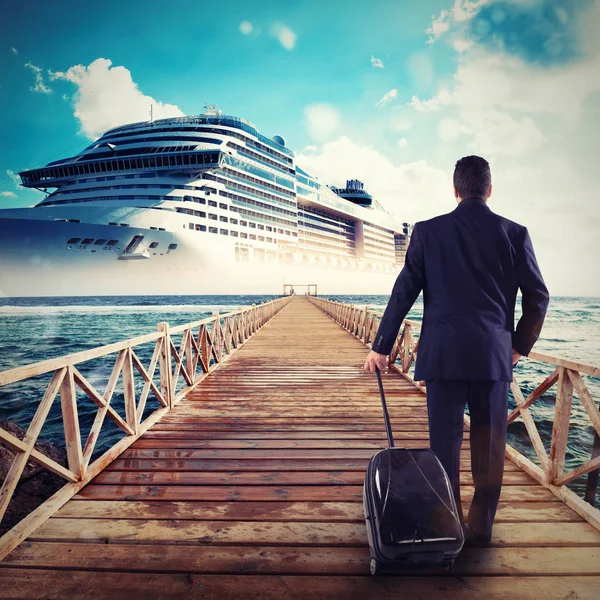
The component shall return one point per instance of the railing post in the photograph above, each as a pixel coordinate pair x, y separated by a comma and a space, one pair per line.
216, 335
560, 430
164, 364
129, 392
68, 404
366, 326
592, 478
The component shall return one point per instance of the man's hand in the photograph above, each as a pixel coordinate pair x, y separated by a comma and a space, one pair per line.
375, 360
515, 357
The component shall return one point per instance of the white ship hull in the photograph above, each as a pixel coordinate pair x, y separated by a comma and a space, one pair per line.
36, 261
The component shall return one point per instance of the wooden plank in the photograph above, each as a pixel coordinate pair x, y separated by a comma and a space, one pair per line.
26, 583
70, 417
261, 464
272, 533
307, 561
560, 430
345, 493
222, 453
113, 477
514, 512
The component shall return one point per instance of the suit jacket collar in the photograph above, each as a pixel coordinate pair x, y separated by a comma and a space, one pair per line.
466, 202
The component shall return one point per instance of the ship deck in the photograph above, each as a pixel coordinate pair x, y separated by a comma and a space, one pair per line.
251, 487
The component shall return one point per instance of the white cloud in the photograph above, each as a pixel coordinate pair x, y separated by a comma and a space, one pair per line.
377, 62
412, 192
246, 28
402, 142
436, 103
39, 86
439, 26
322, 121
107, 96
287, 38
387, 97
462, 10
14, 50
15, 178
8, 194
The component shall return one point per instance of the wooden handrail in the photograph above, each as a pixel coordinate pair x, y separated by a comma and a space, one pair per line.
205, 344
567, 375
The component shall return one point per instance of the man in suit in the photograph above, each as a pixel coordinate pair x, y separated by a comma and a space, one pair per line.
469, 264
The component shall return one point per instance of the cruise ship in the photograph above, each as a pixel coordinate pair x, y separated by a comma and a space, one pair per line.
194, 205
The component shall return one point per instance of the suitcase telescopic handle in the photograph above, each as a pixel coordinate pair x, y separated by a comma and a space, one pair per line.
386, 416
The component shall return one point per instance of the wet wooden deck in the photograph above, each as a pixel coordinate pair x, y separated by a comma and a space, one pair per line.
251, 488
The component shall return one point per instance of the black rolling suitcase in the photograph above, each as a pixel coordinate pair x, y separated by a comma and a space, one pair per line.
410, 510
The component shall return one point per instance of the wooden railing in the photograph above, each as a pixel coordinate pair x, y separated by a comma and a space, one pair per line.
204, 345
566, 374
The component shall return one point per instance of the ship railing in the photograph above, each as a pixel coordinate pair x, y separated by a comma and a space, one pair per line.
143, 378
570, 378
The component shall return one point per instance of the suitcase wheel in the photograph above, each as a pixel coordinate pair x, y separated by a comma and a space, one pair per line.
375, 567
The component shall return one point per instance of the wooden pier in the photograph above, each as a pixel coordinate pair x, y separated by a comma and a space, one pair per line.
251, 487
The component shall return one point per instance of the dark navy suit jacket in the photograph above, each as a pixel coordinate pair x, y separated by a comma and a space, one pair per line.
469, 264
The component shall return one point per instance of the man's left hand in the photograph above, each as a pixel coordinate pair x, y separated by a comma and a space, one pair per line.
375, 360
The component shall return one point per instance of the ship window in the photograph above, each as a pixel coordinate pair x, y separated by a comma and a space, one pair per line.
269, 240
253, 225
224, 232
212, 216
233, 221
172, 246
288, 232
212, 203
151, 227
280, 231
201, 227
124, 224
74, 221
261, 226
60, 220
244, 223
74, 241
213, 230
87, 241
99, 242
223, 206
252, 236
261, 238
244, 235
233, 233
191, 226
161, 228
112, 242
223, 219
112, 223
154, 245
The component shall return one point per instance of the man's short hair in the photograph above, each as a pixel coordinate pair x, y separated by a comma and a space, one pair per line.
472, 177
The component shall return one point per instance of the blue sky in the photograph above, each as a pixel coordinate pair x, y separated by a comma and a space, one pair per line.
390, 91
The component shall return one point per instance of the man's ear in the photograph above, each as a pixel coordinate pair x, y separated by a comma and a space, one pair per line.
490, 192
455, 191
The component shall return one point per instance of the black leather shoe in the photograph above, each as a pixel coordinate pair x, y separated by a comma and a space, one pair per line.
473, 538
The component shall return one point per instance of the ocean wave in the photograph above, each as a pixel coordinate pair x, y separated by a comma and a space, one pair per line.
18, 311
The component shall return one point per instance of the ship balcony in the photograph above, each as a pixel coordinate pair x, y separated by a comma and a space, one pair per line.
54, 176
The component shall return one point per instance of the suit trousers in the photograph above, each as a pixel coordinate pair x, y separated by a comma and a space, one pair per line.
488, 407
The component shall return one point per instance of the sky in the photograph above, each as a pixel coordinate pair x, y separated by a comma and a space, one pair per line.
390, 92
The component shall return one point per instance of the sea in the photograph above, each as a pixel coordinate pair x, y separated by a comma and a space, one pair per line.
36, 329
